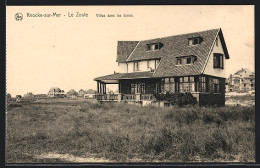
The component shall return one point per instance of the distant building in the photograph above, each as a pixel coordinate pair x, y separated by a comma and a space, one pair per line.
8, 96
242, 80
56, 92
89, 94
28, 95
40, 95
81, 92
18, 98
72, 94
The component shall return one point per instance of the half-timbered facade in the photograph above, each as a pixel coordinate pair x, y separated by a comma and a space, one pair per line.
193, 62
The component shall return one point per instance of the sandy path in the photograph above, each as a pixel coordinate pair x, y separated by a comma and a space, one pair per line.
70, 158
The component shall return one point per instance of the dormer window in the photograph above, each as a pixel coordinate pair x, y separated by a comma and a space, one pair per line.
194, 40
186, 60
178, 61
153, 46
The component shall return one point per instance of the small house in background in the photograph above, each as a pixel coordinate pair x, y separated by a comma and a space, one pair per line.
56, 92
8, 96
28, 95
18, 98
227, 89
242, 80
90, 94
81, 93
40, 95
72, 94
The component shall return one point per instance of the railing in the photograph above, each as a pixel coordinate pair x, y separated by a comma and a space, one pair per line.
147, 97
107, 97
124, 97
129, 97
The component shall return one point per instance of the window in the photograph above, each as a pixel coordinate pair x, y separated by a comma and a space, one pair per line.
136, 66
217, 42
218, 61
187, 84
188, 60
216, 85
156, 63
133, 88
179, 61
194, 41
148, 64
153, 46
202, 84
168, 85
137, 87
142, 87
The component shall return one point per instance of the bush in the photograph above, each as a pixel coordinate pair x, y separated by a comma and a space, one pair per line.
178, 98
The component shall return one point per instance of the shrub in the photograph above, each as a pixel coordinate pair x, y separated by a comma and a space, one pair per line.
13, 105
178, 98
207, 118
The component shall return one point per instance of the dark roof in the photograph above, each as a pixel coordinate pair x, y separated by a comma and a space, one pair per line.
134, 75
171, 48
177, 46
124, 49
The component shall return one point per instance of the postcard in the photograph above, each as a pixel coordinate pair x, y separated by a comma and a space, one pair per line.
130, 84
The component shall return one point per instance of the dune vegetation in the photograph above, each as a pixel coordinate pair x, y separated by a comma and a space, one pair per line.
129, 133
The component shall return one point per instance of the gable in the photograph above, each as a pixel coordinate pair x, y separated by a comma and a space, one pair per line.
217, 48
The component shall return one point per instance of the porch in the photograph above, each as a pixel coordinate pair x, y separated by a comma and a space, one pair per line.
140, 87
132, 87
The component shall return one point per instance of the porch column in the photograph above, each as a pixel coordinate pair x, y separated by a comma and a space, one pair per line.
103, 88
119, 98
100, 88
97, 87
119, 88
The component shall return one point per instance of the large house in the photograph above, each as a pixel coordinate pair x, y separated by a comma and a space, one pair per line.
56, 92
242, 80
193, 62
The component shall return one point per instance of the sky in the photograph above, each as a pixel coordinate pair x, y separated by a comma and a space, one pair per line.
69, 52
